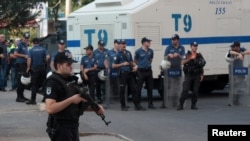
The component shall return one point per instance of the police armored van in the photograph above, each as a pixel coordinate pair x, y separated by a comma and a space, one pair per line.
214, 24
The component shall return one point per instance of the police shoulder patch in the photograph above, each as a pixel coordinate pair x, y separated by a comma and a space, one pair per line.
48, 90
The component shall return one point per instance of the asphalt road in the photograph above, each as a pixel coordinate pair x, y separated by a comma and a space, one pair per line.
21, 122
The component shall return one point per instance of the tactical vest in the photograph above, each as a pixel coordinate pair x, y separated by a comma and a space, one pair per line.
195, 67
71, 113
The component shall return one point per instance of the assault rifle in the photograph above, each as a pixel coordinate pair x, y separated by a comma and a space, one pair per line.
84, 92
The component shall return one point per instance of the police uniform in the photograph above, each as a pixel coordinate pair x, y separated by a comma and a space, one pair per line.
21, 67
3, 68
193, 71
1, 53
238, 80
100, 57
38, 56
175, 62
64, 124
143, 59
89, 62
112, 56
54, 53
127, 78
237, 62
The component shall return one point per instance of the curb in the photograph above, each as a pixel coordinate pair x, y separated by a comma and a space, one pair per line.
116, 137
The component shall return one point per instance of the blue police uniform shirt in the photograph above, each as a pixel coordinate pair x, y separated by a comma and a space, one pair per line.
38, 55
124, 57
175, 62
144, 58
100, 57
53, 54
22, 48
88, 62
112, 57
238, 62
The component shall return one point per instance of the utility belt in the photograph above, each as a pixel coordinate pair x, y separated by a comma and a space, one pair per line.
193, 71
144, 69
93, 72
122, 71
38, 68
100, 68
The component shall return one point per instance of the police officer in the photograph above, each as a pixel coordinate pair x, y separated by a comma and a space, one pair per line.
127, 77
143, 58
36, 64
1, 56
21, 65
114, 72
238, 52
61, 48
100, 54
175, 52
88, 69
193, 70
3, 68
62, 103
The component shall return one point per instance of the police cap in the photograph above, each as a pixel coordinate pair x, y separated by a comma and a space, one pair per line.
145, 39
117, 41
26, 35
194, 44
35, 41
235, 44
61, 42
101, 42
175, 36
123, 41
89, 47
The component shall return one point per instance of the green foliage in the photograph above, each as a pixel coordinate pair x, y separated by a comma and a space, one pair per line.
15, 14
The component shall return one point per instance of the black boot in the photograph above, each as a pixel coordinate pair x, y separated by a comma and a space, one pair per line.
180, 107
194, 107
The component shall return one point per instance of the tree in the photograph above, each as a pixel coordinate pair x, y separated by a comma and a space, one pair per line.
56, 5
16, 14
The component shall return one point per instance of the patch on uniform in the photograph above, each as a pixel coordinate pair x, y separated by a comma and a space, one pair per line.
48, 90
114, 58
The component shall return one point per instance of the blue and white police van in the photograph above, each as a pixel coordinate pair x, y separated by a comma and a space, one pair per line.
214, 24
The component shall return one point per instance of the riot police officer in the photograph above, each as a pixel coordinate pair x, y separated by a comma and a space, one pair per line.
62, 103
21, 65
100, 54
175, 52
193, 70
36, 64
127, 77
143, 58
88, 69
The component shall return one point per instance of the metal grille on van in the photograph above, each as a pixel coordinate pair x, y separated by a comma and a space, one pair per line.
151, 31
